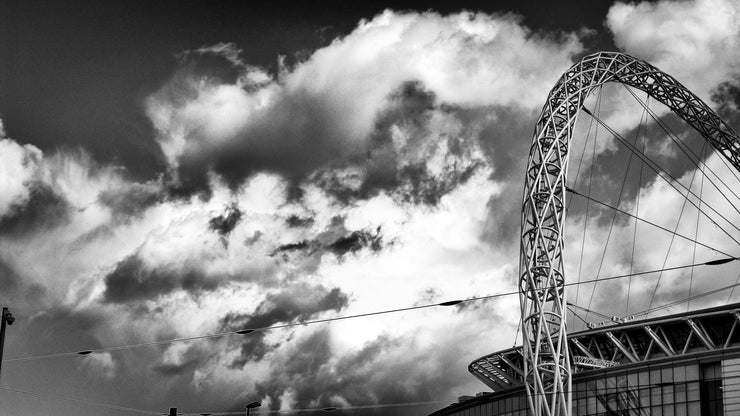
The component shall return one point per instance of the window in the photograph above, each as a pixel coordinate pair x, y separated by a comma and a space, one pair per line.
710, 389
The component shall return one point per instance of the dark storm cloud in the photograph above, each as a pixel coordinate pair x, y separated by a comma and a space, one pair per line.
727, 96
299, 302
311, 372
411, 105
386, 168
335, 239
621, 169
299, 222
356, 241
299, 133
21, 295
418, 186
504, 136
60, 326
9, 279
225, 223
44, 208
305, 136
305, 245
131, 280
131, 200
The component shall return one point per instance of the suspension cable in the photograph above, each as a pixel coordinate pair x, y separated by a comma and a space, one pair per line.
80, 401
634, 233
621, 211
686, 150
614, 216
583, 151
673, 237
588, 310
672, 183
574, 313
590, 181
696, 231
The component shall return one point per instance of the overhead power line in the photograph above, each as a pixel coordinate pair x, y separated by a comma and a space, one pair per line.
247, 331
151, 412
327, 409
80, 401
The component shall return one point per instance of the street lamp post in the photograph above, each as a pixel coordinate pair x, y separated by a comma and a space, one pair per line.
253, 405
7, 318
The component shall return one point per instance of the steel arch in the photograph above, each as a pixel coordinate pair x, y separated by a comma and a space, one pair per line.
542, 295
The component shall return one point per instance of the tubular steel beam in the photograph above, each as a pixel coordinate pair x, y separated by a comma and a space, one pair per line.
581, 347
511, 364
732, 330
659, 342
621, 347
541, 270
701, 334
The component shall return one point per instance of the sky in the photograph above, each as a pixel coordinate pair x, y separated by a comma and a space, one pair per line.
175, 169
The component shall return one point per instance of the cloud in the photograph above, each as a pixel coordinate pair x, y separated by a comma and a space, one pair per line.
335, 239
659, 203
388, 77
296, 303
43, 208
225, 223
382, 171
132, 280
19, 167
695, 41
131, 200
100, 364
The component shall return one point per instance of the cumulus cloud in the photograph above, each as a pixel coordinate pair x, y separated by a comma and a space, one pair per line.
382, 171
333, 109
19, 167
660, 204
698, 41
100, 364
296, 303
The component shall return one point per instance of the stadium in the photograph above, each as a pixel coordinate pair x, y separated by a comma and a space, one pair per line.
675, 365
684, 364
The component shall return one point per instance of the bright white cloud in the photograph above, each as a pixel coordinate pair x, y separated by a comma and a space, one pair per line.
325, 108
698, 41
100, 365
19, 166
314, 115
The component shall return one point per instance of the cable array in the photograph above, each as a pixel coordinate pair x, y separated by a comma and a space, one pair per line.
696, 160
80, 401
248, 331
673, 182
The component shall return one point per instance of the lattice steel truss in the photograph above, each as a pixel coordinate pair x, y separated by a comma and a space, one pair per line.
650, 340
547, 364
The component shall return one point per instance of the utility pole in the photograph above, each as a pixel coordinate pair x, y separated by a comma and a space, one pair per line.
6, 318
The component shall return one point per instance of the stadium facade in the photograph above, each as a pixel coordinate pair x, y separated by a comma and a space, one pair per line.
680, 365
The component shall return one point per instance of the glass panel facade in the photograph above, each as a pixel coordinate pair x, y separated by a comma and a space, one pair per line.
666, 391
681, 388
